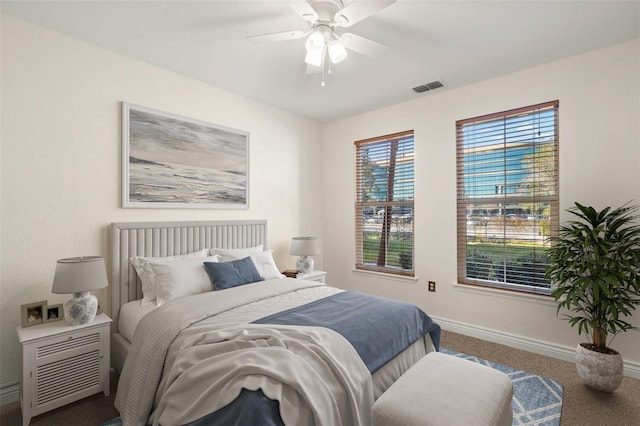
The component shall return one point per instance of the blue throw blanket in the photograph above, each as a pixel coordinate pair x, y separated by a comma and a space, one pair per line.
378, 328
251, 408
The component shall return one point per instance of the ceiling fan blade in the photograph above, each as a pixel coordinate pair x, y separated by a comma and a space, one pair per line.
304, 10
282, 36
359, 10
362, 45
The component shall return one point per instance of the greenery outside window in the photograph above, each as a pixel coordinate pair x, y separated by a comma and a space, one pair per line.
384, 204
507, 177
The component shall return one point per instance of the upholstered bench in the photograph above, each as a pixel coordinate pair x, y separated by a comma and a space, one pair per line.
444, 390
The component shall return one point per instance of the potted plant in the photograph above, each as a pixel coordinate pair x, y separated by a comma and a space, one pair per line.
594, 268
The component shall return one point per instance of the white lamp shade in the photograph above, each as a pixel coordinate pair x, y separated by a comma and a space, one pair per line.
337, 52
304, 246
79, 274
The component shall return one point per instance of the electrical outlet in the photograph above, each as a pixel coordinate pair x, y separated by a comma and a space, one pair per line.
431, 286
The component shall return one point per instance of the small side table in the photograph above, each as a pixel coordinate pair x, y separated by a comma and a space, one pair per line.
319, 276
62, 363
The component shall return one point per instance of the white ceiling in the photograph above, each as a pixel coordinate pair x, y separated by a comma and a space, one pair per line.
456, 42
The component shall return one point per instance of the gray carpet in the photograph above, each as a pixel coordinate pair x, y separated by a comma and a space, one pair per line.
581, 405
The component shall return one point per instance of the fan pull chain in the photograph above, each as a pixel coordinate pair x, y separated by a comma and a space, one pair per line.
324, 62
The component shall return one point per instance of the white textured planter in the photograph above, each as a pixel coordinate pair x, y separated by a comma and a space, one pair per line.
599, 371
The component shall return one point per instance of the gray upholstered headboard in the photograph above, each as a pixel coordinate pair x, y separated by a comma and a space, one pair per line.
130, 239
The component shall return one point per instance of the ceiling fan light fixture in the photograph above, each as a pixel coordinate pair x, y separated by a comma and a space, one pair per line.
324, 46
314, 57
337, 52
315, 41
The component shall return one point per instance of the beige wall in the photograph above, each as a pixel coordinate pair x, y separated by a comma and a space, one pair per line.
61, 161
599, 151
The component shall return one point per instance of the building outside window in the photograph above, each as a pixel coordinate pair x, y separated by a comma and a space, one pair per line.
507, 180
384, 204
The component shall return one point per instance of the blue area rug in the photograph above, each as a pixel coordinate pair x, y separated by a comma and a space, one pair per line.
537, 401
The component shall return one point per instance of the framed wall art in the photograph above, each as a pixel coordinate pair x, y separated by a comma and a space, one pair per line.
32, 313
169, 161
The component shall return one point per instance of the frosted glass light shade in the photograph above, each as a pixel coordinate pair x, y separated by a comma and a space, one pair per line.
315, 41
314, 57
337, 52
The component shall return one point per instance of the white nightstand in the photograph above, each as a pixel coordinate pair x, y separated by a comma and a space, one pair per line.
319, 276
62, 363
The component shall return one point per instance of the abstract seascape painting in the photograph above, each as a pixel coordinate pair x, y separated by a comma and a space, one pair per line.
176, 162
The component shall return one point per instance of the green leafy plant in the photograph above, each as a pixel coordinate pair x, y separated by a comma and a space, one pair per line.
595, 270
480, 265
405, 260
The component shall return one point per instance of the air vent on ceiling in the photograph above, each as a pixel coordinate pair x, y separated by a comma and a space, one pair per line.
428, 86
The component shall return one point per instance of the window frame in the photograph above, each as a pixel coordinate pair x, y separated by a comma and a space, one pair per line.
502, 197
387, 221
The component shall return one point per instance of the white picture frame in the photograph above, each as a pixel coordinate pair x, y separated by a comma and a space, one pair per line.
170, 161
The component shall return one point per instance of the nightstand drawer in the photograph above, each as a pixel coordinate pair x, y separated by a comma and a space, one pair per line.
67, 345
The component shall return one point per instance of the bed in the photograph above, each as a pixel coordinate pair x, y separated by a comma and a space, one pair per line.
274, 344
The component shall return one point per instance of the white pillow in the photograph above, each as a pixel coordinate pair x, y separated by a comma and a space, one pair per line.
141, 265
266, 265
264, 262
181, 278
227, 255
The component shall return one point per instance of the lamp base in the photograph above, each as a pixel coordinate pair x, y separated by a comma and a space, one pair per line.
80, 309
304, 264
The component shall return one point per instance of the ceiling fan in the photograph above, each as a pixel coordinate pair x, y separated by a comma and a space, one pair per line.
325, 46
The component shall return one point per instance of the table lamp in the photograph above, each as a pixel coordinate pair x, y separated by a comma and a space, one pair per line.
304, 247
78, 276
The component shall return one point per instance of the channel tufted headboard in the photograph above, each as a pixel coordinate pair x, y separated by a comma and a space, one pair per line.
130, 239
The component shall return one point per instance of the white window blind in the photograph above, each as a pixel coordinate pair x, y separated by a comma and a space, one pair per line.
507, 177
384, 204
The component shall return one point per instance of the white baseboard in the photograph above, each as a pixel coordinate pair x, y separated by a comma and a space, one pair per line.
565, 353
9, 393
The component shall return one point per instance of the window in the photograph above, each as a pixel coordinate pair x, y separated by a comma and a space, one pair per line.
507, 173
384, 204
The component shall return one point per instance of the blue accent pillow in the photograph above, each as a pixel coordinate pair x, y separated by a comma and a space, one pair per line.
232, 274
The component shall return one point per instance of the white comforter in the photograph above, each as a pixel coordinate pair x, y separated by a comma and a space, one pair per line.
142, 372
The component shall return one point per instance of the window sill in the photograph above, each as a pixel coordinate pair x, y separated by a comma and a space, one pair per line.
401, 278
507, 294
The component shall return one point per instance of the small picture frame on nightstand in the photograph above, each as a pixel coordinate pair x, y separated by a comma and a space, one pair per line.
33, 313
53, 313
